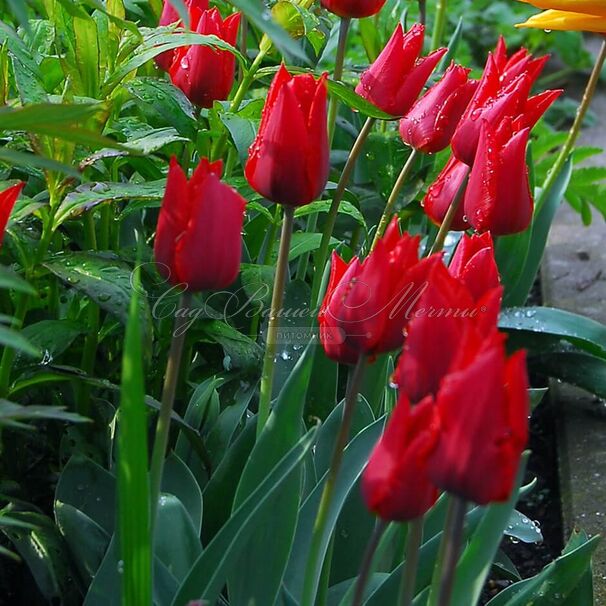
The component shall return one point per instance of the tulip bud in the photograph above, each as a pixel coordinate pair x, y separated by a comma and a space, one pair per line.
483, 411
474, 264
368, 304
353, 9
395, 483
430, 124
502, 98
7, 201
203, 73
498, 197
198, 241
443, 192
394, 81
195, 8
288, 160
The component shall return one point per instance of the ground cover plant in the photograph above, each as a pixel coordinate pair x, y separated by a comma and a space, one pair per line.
264, 287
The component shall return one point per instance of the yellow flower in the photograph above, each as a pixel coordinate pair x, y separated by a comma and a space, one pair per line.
571, 15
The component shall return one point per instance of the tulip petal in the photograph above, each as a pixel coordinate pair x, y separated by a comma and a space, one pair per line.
566, 21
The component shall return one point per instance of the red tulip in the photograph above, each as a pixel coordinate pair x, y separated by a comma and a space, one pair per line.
448, 324
442, 193
203, 73
198, 241
7, 201
353, 9
395, 483
394, 81
498, 196
483, 411
474, 264
430, 124
195, 8
368, 304
502, 93
288, 160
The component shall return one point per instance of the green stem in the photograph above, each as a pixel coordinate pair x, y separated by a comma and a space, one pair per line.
453, 536
422, 11
411, 562
393, 196
438, 243
366, 566
324, 584
269, 362
337, 75
575, 130
331, 219
439, 23
168, 397
315, 559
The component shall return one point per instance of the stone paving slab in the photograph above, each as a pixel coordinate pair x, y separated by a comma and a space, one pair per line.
574, 278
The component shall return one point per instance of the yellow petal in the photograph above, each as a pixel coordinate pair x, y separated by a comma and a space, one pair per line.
592, 7
566, 21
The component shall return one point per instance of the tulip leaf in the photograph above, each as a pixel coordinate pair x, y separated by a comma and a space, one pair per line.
208, 575
133, 488
273, 543
541, 225
356, 102
476, 560
558, 581
522, 528
323, 206
15, 340
582, 332
258, 14
15, 415
354, 460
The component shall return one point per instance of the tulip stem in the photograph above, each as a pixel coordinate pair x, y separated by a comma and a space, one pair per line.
366, 565
411, 562
393, 196
337, 75
438, 243
269, 363
575, 130
331, 219
451, 546
422, 11
166, 407
439, 24
315, 559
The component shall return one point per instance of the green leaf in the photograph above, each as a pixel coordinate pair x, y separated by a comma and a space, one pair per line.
477, 557
134, 524
582, 332
15, 340
208, 575
258, 14
28, 161
179, 481
15, 415
44, 551
176, 542
541, 225
106, 280
87, 54
160, 44
356, 102
323, 206
53, 337
11, 281
241, 350
87, 196
86, 540
522, 528
354, 460
164, 100
557, 581
272, 543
